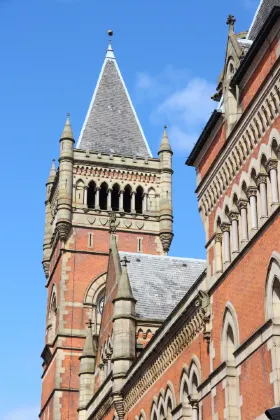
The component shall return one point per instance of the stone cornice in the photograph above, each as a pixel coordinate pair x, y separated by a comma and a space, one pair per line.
247, 134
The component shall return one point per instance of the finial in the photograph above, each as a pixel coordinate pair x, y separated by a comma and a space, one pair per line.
165, 127
124, 261
68, 114
231, 21
110, 32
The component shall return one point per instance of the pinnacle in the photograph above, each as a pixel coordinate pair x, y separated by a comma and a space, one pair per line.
67, 131
90, 347
52, 173
124, 289
165, 145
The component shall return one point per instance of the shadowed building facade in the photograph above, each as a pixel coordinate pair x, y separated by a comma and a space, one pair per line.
132, 333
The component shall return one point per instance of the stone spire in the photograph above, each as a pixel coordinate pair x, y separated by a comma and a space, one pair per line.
124, 287
52, 174
67, 131
111, 125
87, 370
164, 145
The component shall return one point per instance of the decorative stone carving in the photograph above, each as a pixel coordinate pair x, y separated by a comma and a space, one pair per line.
127, 223
113, 218
218, 237
233, 215
166, 239
91, 219
252, 191
225, 227
63, 228
103, 220
261, 179
271, 164
242, 204
139, 224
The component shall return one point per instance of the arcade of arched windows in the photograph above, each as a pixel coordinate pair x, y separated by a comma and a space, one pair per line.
125, 199
251, 202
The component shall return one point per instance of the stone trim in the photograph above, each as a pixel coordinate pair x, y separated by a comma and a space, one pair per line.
195, 321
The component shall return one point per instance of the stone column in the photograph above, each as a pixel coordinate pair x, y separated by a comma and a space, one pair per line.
121, 201
145, 203
242, 207
272, 170
234, 216
194, 405
133, 202
261, 183
226, 243
109, 199
97, 198
252, 195
85, 196
218, 253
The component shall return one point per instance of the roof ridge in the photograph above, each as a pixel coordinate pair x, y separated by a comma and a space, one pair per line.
162, 256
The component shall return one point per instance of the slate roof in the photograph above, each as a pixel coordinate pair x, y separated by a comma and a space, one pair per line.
262, 13
111, 125
159, 283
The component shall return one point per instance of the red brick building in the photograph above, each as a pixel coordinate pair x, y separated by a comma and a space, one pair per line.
131, 332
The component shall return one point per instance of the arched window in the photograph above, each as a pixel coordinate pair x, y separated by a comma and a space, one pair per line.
115, 197
127, 199
52, 317
79, 192
91, 195
273, 288
230, 346
169, 410
152, 200
103, 193
218, 248
139, 200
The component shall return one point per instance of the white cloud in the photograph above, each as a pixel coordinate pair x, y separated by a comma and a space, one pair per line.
184, 110
23, 413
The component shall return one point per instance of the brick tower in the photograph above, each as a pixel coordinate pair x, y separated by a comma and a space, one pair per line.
110, 175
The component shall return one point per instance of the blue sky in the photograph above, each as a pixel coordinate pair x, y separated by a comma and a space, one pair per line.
170, 54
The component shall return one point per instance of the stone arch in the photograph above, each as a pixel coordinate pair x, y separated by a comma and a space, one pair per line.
184, 391
94, 299
151, 199
154, 412
52, 311
91, 292
230, 324
170, 400
194, 369
272, 292
115, 203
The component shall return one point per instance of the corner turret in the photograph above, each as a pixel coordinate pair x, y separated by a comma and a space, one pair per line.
165, 206
87, 370
65, 186
48, 219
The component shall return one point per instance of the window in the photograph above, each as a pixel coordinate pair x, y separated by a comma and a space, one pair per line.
115, 197
127, 199
90, 240
139, 200
103, 193
139, 244
91, 195
101, 304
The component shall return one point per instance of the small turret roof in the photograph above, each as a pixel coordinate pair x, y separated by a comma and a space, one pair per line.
124, 286
111, 124
52, 173
164, 145
67, 131
90, 345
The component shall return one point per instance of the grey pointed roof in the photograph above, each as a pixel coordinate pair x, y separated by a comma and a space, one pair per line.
159, 283
111, 125
262, 13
